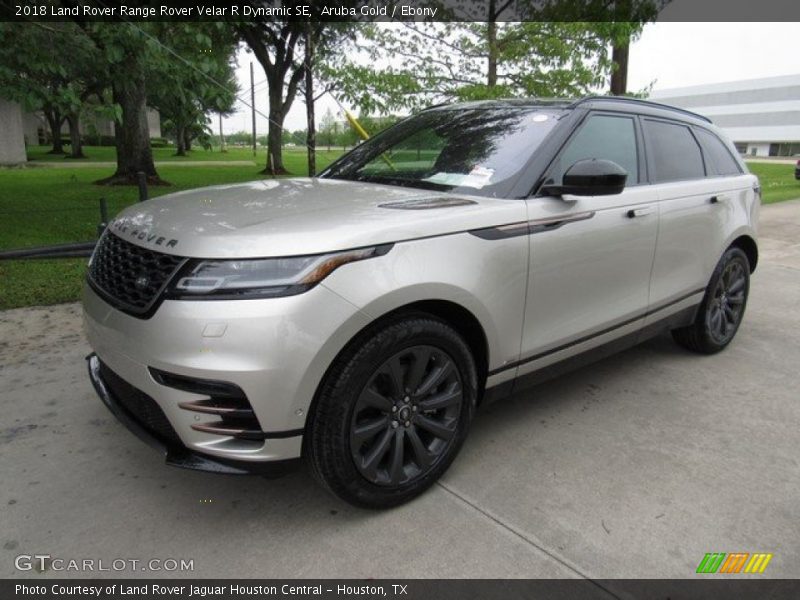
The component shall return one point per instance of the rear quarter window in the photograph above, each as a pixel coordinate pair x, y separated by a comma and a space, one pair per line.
673, 152
719, 160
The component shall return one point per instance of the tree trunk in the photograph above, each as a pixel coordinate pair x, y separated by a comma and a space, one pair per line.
54, 120
134, 154
221, 136
275, 133
277, 67
180, 141
311, 137
274, 150
187, 139
75, 136
619, 77
491, 77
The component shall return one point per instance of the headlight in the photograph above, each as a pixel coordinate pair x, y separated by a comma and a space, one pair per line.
263, 277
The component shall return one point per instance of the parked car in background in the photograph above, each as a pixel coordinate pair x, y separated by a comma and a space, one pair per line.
358, 319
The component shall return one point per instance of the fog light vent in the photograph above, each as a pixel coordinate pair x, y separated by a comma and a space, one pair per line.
223, 399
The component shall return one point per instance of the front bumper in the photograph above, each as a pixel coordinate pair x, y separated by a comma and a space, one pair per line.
158, 433
275, 351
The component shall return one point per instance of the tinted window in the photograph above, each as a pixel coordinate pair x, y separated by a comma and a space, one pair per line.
718, 158
472, 151
673, 152
610, 138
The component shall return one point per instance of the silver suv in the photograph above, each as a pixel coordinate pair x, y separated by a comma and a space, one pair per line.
359, 318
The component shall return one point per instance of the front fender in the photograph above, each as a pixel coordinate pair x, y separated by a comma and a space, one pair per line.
488, 278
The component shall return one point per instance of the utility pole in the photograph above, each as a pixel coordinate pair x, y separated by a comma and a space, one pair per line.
253, 106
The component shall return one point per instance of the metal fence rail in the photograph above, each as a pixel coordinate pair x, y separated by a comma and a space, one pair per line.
72, 249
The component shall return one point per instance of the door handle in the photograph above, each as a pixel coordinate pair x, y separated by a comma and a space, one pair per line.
640, 212
719, 198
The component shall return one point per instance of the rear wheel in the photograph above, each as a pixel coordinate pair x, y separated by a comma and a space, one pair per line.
393, 412
722, 309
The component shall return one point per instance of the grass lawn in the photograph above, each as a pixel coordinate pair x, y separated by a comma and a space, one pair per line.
777, 181
52, 205
294, 157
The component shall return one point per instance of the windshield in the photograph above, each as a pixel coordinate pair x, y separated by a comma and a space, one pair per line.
471, 151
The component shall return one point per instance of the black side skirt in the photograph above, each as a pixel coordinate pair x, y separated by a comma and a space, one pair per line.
681, 318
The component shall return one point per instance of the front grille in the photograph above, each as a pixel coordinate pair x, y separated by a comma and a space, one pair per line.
139, 406
129, 276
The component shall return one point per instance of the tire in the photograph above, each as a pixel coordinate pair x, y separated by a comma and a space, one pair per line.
392, 412
722, 309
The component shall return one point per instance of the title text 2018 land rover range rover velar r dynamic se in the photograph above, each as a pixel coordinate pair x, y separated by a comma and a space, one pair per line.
359, 318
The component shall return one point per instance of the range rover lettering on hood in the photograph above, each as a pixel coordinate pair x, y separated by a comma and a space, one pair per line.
143, 235
298, 217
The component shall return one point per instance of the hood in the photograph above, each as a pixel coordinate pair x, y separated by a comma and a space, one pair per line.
289, 217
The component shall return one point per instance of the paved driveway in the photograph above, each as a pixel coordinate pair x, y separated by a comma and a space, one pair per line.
635, 466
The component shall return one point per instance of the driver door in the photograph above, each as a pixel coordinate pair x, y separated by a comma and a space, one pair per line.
591, 256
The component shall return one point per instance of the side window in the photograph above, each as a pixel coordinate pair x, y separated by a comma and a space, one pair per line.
673, 152
601, 136
718, 158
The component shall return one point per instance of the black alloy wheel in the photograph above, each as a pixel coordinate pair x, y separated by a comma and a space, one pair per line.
393, 411
721, 312
724, 311
406, 416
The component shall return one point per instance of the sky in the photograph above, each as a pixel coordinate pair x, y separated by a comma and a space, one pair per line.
667, 54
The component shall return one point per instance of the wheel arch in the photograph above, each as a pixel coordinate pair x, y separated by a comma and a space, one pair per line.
460, 318
463, 321
748, 245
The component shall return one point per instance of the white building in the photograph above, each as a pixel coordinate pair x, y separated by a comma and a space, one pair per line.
12, 137
761, 116
37, 130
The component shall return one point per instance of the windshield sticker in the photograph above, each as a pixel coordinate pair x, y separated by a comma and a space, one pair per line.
453, 179
476, 178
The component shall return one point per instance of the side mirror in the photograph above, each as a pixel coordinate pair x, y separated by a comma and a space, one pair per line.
591, 177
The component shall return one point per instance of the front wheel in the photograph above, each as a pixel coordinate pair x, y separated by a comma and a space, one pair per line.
393, 412
722, 309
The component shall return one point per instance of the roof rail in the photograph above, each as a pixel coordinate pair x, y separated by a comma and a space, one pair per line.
639, 101
493, 102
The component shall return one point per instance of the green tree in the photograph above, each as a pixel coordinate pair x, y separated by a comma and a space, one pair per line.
280, 48
185, 93
37, 72
242, 138
329, 129
559, 55
129, 51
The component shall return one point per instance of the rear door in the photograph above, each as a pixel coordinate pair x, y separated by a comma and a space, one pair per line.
699, 185
591, 257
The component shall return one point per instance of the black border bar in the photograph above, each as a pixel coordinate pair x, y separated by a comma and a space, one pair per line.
696, 588
399, 10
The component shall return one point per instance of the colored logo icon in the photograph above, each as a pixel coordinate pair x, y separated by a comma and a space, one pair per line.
735, 562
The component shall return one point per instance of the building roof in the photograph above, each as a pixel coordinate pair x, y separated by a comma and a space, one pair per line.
728, 86
749, 110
